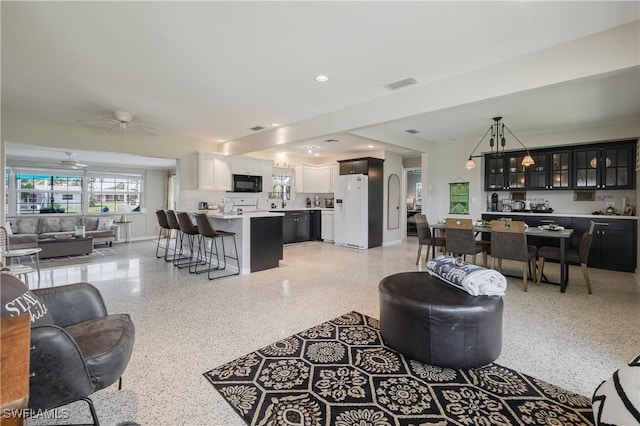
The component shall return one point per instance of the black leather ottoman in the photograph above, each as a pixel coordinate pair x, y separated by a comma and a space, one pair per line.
435, 323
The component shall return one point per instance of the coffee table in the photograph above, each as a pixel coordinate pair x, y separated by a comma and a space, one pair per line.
56, 247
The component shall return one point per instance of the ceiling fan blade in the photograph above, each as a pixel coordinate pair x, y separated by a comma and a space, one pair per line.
113, 127
143, 127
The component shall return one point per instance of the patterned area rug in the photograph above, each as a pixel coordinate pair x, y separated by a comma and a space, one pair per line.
340, 373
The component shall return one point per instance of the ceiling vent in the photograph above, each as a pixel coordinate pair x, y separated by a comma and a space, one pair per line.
331, 140
402, 83
255, 129
412, 131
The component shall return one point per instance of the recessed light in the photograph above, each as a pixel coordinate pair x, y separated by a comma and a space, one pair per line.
322, 78
369, 146
275, 124
316, 154
220, 140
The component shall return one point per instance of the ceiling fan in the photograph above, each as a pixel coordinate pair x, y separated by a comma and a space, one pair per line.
71, 162
121, 119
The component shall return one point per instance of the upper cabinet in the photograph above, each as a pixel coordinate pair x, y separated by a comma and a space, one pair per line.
610, 166
552, 170
363, 166
597, 166
212, 171
313, 179
505, 172
248, 166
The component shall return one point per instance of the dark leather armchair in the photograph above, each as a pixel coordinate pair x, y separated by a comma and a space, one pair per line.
82, 351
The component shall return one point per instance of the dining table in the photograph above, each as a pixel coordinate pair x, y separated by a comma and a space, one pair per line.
560, 233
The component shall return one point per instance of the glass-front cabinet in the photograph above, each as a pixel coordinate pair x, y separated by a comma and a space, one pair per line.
610, 166
516, 171
494, 173
552, 170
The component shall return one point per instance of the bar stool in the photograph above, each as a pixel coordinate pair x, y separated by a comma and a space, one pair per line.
172, 221
166, 229
207, 230
191, 232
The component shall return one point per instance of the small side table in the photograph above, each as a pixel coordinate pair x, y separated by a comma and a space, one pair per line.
127, 226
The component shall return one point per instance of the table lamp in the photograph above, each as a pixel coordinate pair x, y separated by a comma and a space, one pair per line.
123, 209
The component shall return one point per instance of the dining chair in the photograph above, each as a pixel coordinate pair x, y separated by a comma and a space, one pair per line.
508, 241
579, 256
425, 238
461, 240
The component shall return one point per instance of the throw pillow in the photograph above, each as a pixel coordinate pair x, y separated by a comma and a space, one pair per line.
49, 224
617, 400
27, 225
18, 299
104, 223
7, 227
90, 223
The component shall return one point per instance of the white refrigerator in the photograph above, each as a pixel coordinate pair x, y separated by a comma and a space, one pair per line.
351, 218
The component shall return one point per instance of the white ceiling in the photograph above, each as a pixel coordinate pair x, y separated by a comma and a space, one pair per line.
212, 70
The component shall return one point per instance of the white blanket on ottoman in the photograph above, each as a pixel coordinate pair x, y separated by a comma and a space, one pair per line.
475, 280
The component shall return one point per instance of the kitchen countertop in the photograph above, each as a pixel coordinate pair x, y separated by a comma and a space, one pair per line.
299, 208
247, 214
557, 214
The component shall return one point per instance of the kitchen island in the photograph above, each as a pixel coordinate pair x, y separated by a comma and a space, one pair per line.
258, 236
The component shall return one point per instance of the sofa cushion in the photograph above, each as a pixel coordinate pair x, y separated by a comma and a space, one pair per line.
100, 233
49, 224
18, 299
60, 234
26, 225
68, 224
23, 239
106, 344
90, 223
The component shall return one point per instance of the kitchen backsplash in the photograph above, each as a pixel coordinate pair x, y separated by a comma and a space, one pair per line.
562, 201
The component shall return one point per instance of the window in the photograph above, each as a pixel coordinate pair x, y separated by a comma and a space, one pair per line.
35, 191
41, 193
114, 194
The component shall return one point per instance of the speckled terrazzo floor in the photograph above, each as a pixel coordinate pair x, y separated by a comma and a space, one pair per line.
186, 324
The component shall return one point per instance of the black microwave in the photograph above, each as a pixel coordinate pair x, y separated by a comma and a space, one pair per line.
247, 183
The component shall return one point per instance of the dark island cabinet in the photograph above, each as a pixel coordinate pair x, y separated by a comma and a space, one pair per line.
614, 240
296, 226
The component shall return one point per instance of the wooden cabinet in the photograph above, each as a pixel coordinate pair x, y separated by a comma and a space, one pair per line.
212, 172
614, 241
354, 167
365, 166
596, 166
505, 172
610, 166
296, 226
613, 245
552, 170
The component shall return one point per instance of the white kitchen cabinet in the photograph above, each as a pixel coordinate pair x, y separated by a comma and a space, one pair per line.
212, 171
313, 179
246, 166
327, 226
